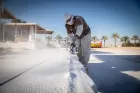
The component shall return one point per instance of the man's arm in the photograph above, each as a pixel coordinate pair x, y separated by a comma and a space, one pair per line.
79, 28
71, 36
79, 31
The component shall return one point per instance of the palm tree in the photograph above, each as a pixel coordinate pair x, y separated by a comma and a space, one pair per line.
104, 38
115, 36
58, 37
48, 39
23, 22
135, 38
66, 38
124, 39
94, 38
16, 21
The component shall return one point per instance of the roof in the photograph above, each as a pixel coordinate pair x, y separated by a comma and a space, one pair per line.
21, 24
7, 15
24, 25
46, 31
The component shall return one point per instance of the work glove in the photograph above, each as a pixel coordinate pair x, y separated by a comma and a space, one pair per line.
78, 37
72, 45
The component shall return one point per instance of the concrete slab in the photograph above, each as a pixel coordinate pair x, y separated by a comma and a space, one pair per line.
43, 71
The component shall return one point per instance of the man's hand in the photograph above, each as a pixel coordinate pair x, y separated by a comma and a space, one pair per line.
77, 37
73, 45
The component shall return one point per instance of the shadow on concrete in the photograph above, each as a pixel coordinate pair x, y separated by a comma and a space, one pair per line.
100, 52
109, 75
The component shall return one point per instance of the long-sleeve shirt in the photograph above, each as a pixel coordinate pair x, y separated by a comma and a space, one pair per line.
78, 30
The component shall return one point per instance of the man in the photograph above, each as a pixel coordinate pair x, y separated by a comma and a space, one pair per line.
79, 35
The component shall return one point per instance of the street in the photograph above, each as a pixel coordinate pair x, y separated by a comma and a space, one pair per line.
41, 71
116, 71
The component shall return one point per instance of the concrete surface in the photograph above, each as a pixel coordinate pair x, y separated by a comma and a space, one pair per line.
43, 71
115, 70
33, 71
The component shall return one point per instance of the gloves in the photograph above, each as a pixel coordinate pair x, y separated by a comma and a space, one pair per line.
72, 45
77, 36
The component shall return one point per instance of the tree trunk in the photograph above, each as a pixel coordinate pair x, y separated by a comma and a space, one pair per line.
115, 42
125, 43
104, 43
135, 44
58, 41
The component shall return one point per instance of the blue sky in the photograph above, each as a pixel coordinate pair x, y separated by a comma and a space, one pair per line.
103, 16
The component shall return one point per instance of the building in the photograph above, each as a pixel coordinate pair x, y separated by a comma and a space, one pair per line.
25, 32
4, 15
19, 32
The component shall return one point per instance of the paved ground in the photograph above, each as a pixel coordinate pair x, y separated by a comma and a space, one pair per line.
33, 71
116, 70
42, 71
113, 70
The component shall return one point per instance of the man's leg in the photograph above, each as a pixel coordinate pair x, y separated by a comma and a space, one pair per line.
86, 45
84, 49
